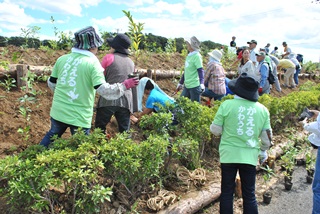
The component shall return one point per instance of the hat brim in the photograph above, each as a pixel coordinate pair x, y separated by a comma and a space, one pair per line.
243, 92
117, 49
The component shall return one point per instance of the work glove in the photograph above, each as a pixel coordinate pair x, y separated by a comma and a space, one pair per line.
131, 82
202, 87
263, 156
260, 90
179, 87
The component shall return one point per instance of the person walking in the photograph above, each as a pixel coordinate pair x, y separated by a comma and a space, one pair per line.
117, 66
214, 77
75, 78
241, 122
193, 77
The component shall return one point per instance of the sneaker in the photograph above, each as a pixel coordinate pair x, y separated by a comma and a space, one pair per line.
284, 85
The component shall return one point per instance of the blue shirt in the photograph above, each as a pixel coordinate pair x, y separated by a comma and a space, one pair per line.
157, 97
264, 72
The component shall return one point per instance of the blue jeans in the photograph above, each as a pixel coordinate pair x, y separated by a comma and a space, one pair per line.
295, 76
58, 128
192, 93
208, 93
104, 115
248, 181
316, 186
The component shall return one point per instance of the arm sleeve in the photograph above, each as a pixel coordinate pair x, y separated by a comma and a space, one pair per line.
111, 92
264, 74
182, 79
215, 129
107, 60
266, 139
201, 74
52, 81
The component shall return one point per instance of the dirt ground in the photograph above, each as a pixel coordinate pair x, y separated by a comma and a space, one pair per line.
12, 142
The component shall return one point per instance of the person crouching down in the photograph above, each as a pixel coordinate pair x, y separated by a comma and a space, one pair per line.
214, 77
241, 122
156, 98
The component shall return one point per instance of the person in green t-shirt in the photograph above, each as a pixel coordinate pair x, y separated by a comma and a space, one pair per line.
193, 76
75, 78
244, 126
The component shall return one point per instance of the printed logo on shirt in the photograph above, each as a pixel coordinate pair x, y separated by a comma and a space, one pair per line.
69, 75
246, 124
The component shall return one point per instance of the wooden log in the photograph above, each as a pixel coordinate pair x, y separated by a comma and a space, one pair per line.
194, 201
38, 70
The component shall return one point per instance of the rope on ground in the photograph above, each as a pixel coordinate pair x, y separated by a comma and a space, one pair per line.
164, 198
197, 177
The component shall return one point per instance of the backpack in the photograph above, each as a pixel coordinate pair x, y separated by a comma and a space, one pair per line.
271, 77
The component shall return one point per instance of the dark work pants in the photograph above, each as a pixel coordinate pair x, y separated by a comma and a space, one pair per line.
104, 115
248, 180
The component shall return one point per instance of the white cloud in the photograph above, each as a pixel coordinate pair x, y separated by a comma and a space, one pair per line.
71, 7
13, 17
131, 3
159, 8
111, 25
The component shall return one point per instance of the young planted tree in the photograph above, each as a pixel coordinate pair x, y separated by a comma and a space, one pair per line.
29, 34
135, 32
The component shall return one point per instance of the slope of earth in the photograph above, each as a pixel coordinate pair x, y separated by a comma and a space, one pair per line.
12, 142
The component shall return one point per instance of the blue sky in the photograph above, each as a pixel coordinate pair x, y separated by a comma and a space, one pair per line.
295, 21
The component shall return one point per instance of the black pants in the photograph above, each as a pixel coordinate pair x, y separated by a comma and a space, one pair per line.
104, 115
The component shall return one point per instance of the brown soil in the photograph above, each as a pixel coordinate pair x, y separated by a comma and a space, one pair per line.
11, 142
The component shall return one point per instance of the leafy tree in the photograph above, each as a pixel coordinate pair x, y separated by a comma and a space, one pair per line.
180, 44
29, 34
16, 41
3, 41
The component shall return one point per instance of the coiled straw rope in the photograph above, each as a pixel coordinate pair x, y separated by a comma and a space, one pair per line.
164, 198
197, 177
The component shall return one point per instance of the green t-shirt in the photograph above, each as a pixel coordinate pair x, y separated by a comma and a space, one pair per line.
191, 76
74, 94
242, 122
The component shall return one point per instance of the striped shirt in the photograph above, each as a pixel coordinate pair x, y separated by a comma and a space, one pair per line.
215, 77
